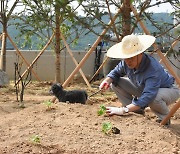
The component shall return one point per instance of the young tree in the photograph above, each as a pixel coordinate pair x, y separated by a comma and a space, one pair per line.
42, 18
5, 14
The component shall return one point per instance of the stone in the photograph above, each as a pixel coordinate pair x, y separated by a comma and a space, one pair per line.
4, 80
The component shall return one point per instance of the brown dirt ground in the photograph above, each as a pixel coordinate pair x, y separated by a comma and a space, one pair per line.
77, 129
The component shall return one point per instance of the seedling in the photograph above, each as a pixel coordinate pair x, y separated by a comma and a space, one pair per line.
106, 127
48, 104
35, 139
102, 110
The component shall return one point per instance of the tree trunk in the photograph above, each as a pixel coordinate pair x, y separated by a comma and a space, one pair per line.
126, 18
3, 47
57, 44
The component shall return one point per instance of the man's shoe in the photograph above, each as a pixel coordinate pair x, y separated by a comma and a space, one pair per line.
167, 123
140, 111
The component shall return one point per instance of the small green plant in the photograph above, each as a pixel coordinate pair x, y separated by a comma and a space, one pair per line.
35, 139
102, 110
106, 127
48, 104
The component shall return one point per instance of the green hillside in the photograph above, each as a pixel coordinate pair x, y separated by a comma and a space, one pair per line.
91, 38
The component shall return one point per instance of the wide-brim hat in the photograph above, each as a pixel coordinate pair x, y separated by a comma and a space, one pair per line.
130, 46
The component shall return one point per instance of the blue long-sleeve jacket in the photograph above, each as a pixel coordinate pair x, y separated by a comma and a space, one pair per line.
150, 76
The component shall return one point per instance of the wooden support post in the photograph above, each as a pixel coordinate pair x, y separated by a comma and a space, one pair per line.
156, 46
172, 46
38, 56
3, 35
19, 53
91, 49
104, 62
74, 60
171, 113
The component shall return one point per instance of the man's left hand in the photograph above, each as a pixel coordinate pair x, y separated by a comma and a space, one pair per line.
115, 110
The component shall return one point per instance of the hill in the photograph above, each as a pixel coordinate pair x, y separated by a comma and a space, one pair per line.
91, 38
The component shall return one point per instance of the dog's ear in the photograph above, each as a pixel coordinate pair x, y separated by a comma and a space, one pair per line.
59, 85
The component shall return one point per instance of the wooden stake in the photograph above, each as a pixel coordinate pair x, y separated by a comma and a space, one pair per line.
74, 60
172, 46
38, 56
171, 113
19, 53
104, 62
91, 49
3, 35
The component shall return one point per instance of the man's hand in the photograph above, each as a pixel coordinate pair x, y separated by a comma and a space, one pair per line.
104, 85
115, 110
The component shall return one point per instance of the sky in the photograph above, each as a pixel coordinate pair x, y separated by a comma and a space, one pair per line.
162, 8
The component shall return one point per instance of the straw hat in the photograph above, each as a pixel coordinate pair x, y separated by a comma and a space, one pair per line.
130, 46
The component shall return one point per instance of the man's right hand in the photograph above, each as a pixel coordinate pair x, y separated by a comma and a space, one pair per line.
104, 85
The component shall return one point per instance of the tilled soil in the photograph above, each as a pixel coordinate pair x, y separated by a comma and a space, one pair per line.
64, 128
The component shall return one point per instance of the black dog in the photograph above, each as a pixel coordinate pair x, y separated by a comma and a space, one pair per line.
73, 96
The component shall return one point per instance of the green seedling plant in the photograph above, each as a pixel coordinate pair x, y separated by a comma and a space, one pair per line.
48, 104
102, 110
106, 127
35, 139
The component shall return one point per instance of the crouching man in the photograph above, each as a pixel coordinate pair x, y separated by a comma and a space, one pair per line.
139, 80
